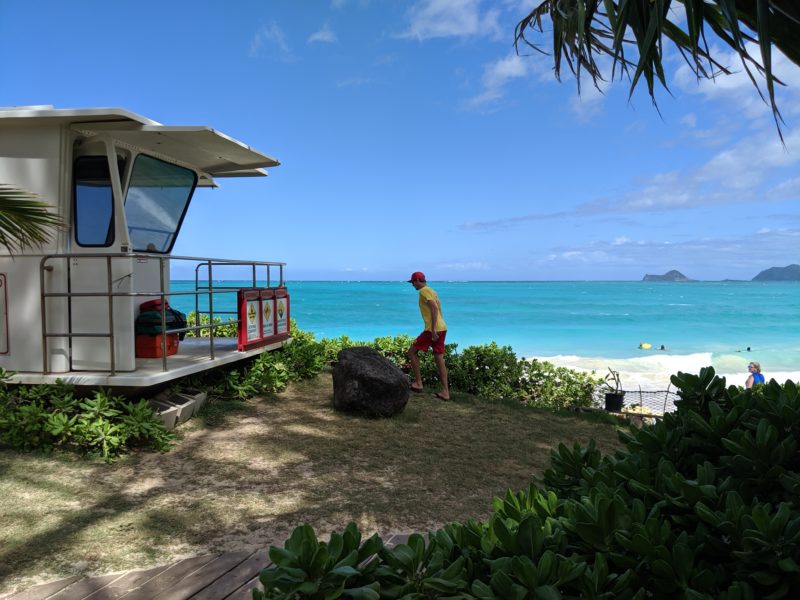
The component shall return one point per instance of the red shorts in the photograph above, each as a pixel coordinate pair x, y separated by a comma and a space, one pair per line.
424, 341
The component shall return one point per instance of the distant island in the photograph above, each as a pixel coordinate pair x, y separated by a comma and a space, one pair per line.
789, 273
668, 276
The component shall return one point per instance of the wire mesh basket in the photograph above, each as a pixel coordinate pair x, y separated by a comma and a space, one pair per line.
652, 403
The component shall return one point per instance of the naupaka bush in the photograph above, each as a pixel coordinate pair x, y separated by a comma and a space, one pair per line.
702, 504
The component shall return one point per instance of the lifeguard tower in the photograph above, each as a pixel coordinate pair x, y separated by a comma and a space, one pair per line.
122, 184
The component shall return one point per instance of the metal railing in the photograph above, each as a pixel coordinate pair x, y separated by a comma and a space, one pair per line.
209, 290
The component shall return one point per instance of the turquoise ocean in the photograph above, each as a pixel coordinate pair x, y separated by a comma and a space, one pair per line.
583, 324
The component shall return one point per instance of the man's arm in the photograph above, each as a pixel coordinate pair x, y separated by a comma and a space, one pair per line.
434, 319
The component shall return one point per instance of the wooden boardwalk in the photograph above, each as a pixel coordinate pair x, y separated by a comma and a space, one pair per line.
228, 576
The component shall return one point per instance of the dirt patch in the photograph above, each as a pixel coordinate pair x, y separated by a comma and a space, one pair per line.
259, 472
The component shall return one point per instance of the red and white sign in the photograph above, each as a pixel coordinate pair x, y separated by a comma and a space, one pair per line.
249, 319
281, 312
267, 313
263, 317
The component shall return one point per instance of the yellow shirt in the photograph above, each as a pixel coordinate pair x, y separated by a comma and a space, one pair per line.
426, 294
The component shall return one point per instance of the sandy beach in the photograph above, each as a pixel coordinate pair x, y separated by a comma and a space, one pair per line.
653, 371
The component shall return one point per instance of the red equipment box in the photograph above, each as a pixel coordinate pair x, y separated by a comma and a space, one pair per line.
149, 346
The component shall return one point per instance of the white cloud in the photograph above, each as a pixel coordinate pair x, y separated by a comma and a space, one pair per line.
495, 77
450, 18
689, 120
271, 36
737, 88
754, 170
580, 256
587, 101
588, 104
745, 165
466, 266
386, 59
785, 189
340, 4
325, 35
743, 256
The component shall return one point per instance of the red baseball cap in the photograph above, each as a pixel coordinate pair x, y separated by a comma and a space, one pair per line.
417, 276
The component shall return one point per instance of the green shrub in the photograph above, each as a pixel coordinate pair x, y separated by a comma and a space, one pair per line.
266, 373
43, 417
335, 345
489, 371
545, 385
394, 348
304, 357
228, 329
308, 568
703, 504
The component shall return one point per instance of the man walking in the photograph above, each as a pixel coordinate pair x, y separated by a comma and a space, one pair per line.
433, 337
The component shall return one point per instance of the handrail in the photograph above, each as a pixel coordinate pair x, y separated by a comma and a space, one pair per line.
163, 293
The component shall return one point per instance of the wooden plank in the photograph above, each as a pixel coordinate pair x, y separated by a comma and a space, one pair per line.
44, 590
168, 578
86, 587
244, 592
231, 576
235, 578
125, 584
201, 577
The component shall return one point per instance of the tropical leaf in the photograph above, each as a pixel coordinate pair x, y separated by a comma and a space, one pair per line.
583, 29
24, 219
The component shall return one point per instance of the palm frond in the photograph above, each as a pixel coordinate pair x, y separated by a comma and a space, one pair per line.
585, 28
25, 220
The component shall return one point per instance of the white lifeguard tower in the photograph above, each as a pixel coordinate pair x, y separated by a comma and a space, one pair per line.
122, 184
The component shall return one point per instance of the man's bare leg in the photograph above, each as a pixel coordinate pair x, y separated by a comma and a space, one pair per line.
442, 368
413, 356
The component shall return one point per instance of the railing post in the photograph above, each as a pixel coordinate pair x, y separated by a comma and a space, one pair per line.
110, 294
211, 330
197, 298
68, 263
163, 314
111, 339
42, 291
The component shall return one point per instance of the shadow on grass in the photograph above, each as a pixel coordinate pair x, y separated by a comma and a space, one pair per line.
260, 468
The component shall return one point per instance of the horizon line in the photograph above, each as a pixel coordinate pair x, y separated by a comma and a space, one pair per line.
509, 280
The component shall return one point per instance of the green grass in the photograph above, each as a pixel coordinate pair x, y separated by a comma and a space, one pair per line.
248, 472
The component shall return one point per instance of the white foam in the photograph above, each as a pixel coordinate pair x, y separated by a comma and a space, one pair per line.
652, 372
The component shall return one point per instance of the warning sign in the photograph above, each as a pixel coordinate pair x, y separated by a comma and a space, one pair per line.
267, 317
253, 325
282, 316
263, 317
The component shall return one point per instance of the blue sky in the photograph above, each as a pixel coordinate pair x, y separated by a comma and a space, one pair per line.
412, 137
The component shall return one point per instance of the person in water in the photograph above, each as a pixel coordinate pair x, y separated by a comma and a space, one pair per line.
755, 374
